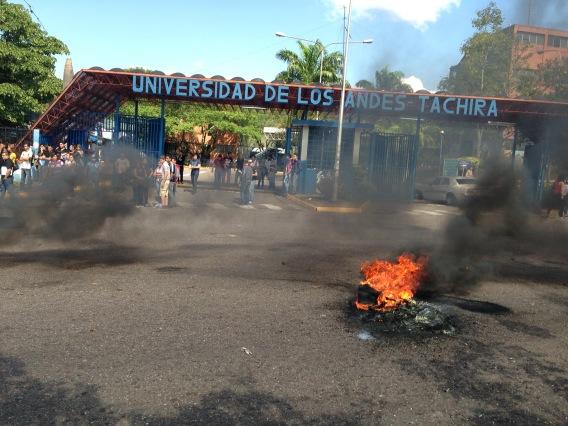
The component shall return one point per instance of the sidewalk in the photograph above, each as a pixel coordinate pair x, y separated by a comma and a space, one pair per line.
311, 201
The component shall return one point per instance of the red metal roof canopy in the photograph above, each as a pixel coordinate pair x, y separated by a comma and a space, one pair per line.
98, 91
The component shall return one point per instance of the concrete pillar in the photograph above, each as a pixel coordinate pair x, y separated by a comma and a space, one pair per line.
356, 146
305, 137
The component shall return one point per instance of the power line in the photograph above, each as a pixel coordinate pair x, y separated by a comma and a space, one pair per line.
34, 14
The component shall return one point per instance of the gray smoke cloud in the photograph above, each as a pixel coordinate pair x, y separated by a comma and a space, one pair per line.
71, 202
495, 223
542, 13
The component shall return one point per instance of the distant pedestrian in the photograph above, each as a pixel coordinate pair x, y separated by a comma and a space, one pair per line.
287, 174
195, 164
556, 196
261, 172
25, 163
239, 169
6, 174
219, 167
247, 183
173, 180
166, 174
295, 175
564, 198
158, 178
271, 168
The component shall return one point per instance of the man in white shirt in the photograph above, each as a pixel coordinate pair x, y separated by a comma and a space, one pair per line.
165, 183
25, 163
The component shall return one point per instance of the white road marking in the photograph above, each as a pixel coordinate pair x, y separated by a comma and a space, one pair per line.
434, 213
217, 206
247, 206
447, 212
271, 206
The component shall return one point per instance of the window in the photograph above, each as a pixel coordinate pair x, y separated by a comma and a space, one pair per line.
466, 181
530, 38
557, 41
445, 181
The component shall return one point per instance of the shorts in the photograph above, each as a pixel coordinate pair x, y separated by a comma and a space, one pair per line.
164, 187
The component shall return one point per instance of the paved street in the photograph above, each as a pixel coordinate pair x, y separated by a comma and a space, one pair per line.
215, 313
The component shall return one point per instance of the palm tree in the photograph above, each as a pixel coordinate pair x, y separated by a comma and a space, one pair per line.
305, 67
386, 80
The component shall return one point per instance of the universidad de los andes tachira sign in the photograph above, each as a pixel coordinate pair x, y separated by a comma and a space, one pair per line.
299, 97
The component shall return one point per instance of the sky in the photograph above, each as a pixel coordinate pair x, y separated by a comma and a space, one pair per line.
421, 38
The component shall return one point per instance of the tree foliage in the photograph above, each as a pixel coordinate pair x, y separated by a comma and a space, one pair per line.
386, 80
305, 66
553, 76
27, 63
486, 67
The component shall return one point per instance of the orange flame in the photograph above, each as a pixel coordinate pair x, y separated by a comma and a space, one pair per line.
395, 283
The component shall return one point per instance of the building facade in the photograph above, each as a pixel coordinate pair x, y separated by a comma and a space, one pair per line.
538, 45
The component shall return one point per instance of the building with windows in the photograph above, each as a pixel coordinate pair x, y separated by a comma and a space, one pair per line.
538, 45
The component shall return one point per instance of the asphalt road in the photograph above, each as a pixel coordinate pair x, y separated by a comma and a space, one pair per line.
215, 313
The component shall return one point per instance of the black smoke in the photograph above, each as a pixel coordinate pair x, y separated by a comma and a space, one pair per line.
496, 224
70, 203
540, 13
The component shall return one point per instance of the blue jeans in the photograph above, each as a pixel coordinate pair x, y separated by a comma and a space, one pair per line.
26, 177
194, 177
6, 186
251, 192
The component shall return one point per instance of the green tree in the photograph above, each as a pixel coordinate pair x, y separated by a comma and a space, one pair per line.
487, 66
27, 63
306, 65
553, 75
386, 80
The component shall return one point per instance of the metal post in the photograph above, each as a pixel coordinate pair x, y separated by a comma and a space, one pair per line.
414, 160
288, 140
116, 130
162, 127
341, 107
441, 152
136, 141
514, 149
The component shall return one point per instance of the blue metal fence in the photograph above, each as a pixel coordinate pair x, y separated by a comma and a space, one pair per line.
391, 164
145, 134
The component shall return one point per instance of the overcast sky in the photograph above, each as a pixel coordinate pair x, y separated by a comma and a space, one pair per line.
236, 38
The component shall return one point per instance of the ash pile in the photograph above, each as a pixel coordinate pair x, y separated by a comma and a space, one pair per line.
385, 299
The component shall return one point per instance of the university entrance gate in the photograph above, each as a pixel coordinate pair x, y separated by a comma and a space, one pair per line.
94, 96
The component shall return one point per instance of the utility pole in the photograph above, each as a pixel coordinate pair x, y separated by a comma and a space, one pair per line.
346, 36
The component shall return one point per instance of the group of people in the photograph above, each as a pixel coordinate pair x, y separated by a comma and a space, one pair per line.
34, 165
559, 196
255, 170
134, 171
264, 169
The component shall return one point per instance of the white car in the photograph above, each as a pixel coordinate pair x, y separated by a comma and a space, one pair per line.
448, 189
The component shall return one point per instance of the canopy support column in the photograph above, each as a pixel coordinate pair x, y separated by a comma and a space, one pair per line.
116, 129
162, 126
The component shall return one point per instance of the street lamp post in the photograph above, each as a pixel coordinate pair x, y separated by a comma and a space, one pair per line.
441, 152
341, 107
323, 48
345, 44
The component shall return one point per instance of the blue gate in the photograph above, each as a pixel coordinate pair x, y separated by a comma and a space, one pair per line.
145, 134
391, 164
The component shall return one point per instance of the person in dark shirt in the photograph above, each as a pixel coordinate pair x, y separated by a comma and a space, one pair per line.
195, 164
6, 174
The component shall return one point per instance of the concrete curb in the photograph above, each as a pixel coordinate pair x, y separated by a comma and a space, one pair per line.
327, 209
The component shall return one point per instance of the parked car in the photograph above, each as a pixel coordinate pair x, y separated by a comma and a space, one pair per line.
448, 189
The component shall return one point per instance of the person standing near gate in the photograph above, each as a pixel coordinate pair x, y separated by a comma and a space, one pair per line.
247, 184
6, 174
165, 182
239, 168
25, 162
195, 164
